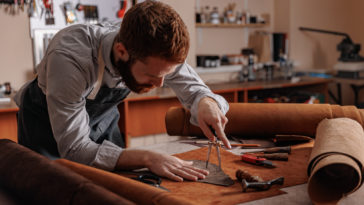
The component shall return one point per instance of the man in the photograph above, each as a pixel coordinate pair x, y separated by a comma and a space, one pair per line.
70, 110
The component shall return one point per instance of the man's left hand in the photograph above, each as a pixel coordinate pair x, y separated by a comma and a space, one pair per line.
210, 116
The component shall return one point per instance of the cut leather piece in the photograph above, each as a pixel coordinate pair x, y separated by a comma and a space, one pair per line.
263, 120
216, 175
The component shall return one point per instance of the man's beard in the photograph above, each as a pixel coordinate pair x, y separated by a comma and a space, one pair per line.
124, 69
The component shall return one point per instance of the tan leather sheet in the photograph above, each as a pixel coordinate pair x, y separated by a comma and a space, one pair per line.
294, 172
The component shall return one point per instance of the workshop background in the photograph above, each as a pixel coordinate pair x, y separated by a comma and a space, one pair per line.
311, 51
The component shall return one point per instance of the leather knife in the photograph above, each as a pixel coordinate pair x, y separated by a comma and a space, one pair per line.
261, 161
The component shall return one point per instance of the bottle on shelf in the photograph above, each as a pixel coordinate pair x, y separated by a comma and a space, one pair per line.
214, 16
251, 68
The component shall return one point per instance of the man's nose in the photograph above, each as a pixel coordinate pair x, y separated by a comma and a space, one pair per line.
158, 82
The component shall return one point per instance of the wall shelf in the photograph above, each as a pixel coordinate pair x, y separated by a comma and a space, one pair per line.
210, 25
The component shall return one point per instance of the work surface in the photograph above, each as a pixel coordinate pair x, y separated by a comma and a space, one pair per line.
295, 194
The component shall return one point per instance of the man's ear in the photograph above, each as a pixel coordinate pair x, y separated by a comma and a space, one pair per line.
120, 52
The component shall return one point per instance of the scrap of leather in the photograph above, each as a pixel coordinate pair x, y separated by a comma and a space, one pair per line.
216, 175
336, 161
293, 171
265, 119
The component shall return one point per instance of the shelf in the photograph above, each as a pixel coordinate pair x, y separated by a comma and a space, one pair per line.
210, 25
224, 68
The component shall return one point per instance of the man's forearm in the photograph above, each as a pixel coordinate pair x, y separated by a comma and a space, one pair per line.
132, 159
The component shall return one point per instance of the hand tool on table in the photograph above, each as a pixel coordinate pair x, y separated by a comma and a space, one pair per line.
286, 149
274, 153
243, 174
146, 177
150, 179
272, 156
257, 160
233, 145
261, 186
216, 143
255, 182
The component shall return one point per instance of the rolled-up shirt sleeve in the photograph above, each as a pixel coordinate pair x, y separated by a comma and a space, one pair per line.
67, 85
190, 89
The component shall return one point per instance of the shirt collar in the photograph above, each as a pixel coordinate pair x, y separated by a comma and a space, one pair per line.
107, 43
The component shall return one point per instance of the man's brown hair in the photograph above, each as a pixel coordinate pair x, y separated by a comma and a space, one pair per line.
154, 29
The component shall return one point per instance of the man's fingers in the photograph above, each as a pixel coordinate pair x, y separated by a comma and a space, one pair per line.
184, 174
224, 121
194, 173
202, 171
221, 135
207, 131
172, 176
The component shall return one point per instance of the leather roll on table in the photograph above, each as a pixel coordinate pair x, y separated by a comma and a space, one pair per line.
336, 162
264, 119
34, 179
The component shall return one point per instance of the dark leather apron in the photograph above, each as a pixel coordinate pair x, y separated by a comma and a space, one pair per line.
34, 129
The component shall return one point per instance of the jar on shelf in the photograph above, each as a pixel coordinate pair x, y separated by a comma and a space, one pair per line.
214, 16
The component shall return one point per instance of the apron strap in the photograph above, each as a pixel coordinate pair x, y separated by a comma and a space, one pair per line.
100, 74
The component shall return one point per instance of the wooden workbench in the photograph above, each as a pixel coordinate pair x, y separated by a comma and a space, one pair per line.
8, 122
144, 114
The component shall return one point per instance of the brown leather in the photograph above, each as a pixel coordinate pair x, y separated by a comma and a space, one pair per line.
336, 161
265, 119
38, 180
130, 189
201, 193
294, 172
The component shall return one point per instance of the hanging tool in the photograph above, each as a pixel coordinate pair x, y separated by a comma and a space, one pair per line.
261, 186
122, 9
257, 160
49, 18
216, 143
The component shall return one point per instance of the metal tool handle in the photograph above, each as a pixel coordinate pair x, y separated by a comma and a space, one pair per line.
275, 156
278, 181
261, 186
286, 149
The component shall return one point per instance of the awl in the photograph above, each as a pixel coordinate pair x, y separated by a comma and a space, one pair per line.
257, 160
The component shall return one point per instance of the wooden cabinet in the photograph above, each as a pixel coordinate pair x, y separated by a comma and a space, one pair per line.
8, 121
144, 114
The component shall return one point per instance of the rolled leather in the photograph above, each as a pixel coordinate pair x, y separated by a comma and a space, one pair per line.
35, 179
265, 119
132, 190
336, 163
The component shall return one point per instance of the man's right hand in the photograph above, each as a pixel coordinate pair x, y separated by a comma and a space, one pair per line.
161, 164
